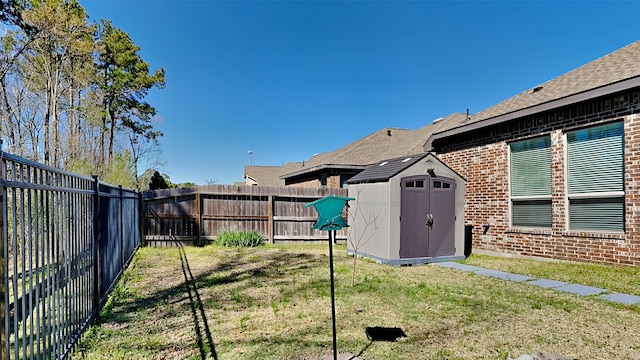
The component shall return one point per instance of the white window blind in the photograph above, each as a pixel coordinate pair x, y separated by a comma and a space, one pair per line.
530, 170
595, 178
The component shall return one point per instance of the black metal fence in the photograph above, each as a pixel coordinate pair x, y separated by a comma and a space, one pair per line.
66, 239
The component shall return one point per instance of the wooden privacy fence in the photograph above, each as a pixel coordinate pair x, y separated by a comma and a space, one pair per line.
66, 239
197, 215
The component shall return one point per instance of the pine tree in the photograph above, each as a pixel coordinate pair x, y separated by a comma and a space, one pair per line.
157, 182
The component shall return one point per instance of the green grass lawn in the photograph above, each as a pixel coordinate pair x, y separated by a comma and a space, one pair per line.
623, 279
274, 303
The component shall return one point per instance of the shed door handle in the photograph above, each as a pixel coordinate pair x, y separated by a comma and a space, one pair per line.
429, 220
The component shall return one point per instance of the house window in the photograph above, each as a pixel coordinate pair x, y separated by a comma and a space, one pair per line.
595, 178
531, 183
323, 180
343, 180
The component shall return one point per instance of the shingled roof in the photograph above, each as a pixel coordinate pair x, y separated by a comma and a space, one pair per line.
384, 144
269, 175
617, 71
386, 169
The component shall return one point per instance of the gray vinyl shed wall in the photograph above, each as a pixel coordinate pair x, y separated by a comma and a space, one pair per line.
374, 215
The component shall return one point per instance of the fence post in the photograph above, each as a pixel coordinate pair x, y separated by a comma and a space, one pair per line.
198, 218
4, 324
270, 220
141, 220
121, 228
96, 243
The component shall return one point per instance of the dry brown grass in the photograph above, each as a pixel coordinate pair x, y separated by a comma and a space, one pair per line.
274, 303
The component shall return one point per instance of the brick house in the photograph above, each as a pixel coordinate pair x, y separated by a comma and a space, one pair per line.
555, 170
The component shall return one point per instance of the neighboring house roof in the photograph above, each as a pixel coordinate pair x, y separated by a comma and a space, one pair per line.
383, 144
385, 169
617, 71
269, 175
322, 168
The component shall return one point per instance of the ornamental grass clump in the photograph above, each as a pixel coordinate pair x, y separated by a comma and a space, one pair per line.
239, 239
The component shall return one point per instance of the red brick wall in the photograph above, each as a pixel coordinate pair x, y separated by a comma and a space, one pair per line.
307, 183
487, 191
632, 182
332, 182
485, 167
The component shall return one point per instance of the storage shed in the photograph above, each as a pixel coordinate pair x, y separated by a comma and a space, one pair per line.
407, 210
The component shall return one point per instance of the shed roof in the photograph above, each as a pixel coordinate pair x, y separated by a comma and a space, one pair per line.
617, 71
386, 169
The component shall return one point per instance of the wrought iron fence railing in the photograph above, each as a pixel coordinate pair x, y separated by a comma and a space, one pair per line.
66, 239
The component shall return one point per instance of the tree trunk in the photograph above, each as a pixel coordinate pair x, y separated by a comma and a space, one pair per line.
47, 118
103, 130
112, 131
353, 273
55, 124
8, 111
71, 129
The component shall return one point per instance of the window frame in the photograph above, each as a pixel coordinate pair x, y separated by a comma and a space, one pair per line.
526, 200
597, 196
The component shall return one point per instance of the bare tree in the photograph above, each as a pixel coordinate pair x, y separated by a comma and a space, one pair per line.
146, 154
56, 70
363, 227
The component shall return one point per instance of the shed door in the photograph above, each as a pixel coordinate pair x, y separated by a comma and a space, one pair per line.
443, 209
427, 200
414, 207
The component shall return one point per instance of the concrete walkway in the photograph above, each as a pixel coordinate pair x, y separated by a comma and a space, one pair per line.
547, 284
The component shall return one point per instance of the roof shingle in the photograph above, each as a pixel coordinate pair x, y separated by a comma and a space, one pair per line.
619, 65
269, 175
384, 144
383, 171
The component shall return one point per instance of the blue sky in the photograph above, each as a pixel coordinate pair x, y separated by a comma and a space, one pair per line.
288, 79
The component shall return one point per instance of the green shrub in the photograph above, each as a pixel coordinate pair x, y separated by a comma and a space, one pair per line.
239, 239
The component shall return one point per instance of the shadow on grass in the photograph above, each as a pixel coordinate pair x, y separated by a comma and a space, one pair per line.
365, 348
273, 266
390, 334
200, 322
244, 273
378, 333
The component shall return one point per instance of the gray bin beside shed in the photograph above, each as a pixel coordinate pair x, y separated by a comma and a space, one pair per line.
407, 210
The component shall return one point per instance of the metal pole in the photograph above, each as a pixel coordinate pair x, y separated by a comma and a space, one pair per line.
96, 242
122, 258
332, 235
141, 219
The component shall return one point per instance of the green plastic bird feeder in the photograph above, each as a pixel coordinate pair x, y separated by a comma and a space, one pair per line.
329, 210
330, 219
